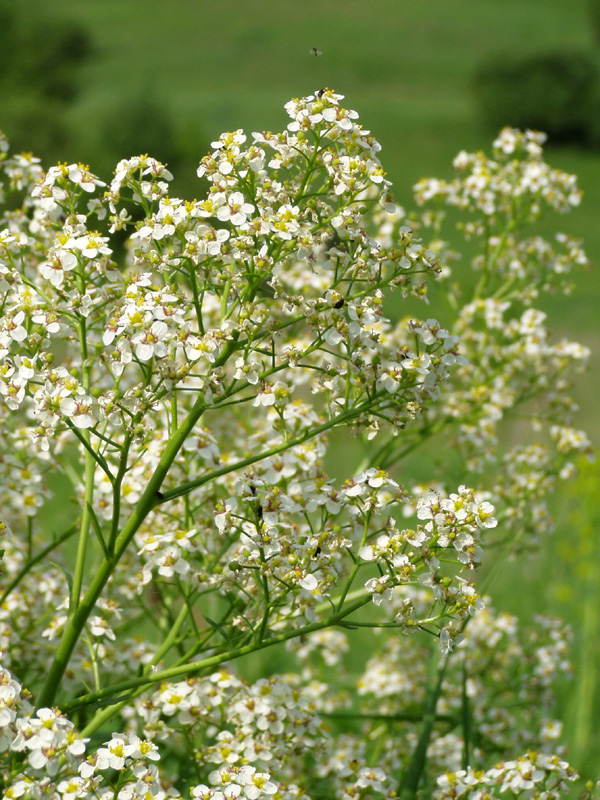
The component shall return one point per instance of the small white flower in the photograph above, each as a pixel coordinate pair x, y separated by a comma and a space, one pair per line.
235, 210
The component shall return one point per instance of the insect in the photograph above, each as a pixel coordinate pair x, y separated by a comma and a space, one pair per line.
314, 52
320, 93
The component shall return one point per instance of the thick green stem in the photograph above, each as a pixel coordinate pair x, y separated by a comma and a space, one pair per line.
150, 498
148, 501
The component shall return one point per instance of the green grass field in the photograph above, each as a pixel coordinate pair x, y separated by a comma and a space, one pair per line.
407, 67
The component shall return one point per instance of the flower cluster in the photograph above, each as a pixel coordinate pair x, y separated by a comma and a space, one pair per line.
178, 369
535, 775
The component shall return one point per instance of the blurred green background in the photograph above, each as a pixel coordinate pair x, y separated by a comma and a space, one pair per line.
101, 80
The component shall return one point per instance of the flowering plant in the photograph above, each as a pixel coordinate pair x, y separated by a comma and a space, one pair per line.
183, 365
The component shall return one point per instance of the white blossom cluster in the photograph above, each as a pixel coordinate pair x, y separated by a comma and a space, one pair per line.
535, 775
171, 374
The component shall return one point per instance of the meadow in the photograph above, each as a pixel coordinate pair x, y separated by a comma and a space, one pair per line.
407, 67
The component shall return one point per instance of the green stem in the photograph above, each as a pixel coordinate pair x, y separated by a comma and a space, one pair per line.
170, 637
414, 772
93, 659
85, 440
106, 713
356, 565
405, 716
188, 486
84, 529
187, 669
90, 459
309, 171
197, 299
148, 501
118, 481
29, 537
586, 689
466, 718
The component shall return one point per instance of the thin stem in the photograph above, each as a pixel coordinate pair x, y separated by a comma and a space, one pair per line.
416, 767
356, 565
466, 719
84, 438
191, 668
197, 298
84, 527
29, 537
188, 486
169, 639
148, 501
93, 659
90, 458
118, 481
404, 716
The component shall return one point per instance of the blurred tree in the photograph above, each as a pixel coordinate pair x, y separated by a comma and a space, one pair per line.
41, 52
143, 124
555, 92
39, 61
594, 17
138, 125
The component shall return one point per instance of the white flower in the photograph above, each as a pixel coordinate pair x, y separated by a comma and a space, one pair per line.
113, 755
152, 342
92, 245
12, 328
309, 582
79, 409
60, 261
72, 788
99, 627
141, 748
378, 589
484, 515
236, 210
81, 175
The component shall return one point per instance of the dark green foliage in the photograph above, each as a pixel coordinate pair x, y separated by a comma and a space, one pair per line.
40, 60
556, 92
594, 18
35, 127
41, 79
141, 124
42, 53
138, 125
